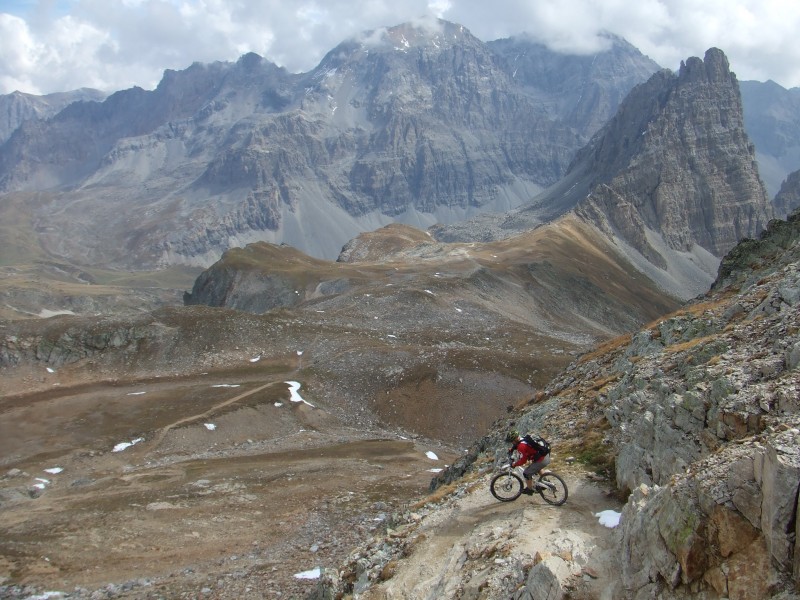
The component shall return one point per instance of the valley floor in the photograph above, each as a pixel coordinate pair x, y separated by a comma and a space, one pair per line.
169, 488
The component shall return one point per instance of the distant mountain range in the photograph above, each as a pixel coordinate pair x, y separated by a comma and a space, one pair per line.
17, 107
772, 120
423, 127
419, 126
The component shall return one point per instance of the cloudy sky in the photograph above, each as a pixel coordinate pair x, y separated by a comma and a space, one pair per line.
57, 45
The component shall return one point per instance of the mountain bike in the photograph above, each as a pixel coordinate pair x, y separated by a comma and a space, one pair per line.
507, 485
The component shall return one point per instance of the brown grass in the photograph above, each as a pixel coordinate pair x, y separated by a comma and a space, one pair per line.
437, 496
590, 390
471, 479
682, 346
606, 347
690, 310
592, 452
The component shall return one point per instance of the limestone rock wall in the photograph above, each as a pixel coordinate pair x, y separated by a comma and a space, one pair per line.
788, 197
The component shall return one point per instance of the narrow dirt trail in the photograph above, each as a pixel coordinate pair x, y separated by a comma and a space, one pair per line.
477, 534
204, 415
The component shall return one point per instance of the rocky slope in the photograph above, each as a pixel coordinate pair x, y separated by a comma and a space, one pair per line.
788, 197
695, 418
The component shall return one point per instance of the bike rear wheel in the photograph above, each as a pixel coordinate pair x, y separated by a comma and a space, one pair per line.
552, 489
506, 487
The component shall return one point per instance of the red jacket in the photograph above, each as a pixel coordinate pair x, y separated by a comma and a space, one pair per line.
526, 453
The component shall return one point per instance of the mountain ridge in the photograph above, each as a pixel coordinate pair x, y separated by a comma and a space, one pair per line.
671, 179
374, 134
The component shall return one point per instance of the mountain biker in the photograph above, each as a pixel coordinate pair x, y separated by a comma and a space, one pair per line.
528, 452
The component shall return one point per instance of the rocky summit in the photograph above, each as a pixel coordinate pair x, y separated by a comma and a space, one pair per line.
672, 179
693, 180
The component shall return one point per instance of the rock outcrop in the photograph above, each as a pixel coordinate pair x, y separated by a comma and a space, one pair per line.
17, 107
675, 163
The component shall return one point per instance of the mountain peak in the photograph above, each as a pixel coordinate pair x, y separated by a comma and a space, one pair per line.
713, 68
422, 33
676, 160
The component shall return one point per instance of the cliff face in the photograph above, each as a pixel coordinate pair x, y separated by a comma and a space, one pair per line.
582, 91
705, 426
772, 120
676, 163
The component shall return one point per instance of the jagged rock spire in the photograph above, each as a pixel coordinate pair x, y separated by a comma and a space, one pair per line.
675, 162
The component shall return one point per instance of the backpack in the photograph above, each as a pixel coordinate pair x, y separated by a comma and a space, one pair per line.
539, 443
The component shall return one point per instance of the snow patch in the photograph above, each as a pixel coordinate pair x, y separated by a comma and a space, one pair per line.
46, 596
46, 314
124, 445
608, 518
293, 395
431, 455
210, 426
312, 574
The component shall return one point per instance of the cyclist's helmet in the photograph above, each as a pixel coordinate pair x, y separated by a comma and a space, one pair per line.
512, 435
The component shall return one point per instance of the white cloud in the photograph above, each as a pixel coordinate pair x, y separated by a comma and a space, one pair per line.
18, 50
54, 46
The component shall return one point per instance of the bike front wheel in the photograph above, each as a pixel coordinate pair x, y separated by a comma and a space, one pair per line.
506, 487
552, 489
